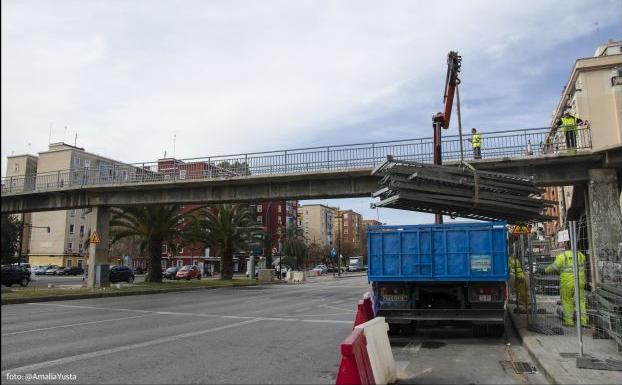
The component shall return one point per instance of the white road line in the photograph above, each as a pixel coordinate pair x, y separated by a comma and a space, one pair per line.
99, 353
76, 324
88, 307
202, 314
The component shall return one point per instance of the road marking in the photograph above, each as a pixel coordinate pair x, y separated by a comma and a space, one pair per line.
89, 307
99, 353
338, 308
76, 324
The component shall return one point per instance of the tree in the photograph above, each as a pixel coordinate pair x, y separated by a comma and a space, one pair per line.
153, 226
11, 231
294, 247
228, 228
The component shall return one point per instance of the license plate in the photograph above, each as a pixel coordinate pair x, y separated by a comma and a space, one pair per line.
390, 297
485, 298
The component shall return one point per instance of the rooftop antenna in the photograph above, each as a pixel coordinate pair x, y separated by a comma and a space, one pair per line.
164, 154
174, 139
75, 140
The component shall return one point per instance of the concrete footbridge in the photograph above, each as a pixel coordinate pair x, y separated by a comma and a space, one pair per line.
341, 171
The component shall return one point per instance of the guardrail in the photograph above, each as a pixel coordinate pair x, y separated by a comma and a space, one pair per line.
499, 144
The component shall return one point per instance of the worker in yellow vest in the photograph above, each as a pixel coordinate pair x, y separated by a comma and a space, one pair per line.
563, 266
568, 124
520, 283
476, 143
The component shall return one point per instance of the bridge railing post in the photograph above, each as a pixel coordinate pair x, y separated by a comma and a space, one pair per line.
11, 184
286, 161
209, 167
174, 169
328, 157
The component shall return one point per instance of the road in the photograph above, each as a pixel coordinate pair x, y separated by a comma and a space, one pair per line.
265, 334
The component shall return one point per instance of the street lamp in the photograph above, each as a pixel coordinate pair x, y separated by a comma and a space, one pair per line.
339, 217
21, 238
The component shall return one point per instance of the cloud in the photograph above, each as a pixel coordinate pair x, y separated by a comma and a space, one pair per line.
238, 76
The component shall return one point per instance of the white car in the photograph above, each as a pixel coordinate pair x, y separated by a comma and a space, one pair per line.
322, 269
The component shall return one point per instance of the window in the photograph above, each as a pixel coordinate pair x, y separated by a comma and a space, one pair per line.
81, 230
69, 263
259, 219
80, 246
164, 249
182, 174
87, 163
163, 263
345, 231
69, 246
72, 213
76, 162
279, 209
180, 263
280, 220
259, 208
71, 228
83, 214
80, 263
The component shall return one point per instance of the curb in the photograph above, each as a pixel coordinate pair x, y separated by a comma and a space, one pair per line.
14, 301
527, 345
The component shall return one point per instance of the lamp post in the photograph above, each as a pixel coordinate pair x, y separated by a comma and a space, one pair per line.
339, 217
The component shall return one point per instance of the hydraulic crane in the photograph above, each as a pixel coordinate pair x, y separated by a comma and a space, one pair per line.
441, 119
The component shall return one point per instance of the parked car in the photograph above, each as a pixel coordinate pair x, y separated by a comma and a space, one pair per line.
40, 270
170, 273
334, 269
121, 274
53, 269
188, 272
322, 269
73, 270
138, 270
15, 274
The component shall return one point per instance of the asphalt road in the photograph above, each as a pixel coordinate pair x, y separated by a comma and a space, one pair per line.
265, 334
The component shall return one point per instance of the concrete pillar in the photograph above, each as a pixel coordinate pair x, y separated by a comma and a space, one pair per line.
605, 217
98, 253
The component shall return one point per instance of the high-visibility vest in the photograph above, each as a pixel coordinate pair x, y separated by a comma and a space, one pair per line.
569, 124
567, 261
476, 140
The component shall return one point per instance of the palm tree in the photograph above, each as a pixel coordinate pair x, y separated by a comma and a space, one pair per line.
227, 228
153, 226
294, 247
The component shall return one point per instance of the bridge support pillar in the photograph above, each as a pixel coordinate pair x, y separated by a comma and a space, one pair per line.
605, 219
98, 265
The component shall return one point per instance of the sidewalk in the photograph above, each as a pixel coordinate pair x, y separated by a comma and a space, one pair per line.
547, 350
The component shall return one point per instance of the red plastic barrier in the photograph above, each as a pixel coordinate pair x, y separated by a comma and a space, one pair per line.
365, 311
355, 368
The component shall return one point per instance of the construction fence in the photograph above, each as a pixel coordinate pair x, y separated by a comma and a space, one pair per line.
543, 287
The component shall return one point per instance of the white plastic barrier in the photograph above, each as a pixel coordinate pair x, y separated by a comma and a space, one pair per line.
379, 350
298, 276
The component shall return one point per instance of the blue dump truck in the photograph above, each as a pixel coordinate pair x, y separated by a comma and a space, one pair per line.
436, 273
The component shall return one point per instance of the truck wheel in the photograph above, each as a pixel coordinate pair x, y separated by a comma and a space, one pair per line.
394, 329
409, 329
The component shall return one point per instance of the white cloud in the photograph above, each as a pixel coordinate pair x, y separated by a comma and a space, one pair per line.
235, 76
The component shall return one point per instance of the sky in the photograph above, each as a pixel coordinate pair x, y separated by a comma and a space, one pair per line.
133, 79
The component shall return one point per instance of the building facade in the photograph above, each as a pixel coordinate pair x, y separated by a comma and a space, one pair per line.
317, 223
19, 166
66, 243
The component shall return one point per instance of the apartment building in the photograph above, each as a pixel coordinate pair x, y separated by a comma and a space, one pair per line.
65, 244
593, 93
317, 222
350, 226
19, 166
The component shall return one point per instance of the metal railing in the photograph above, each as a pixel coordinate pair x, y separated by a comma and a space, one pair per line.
499, 144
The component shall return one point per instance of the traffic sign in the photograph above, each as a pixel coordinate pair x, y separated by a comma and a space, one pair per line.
94, 238
333, 253
520, 229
